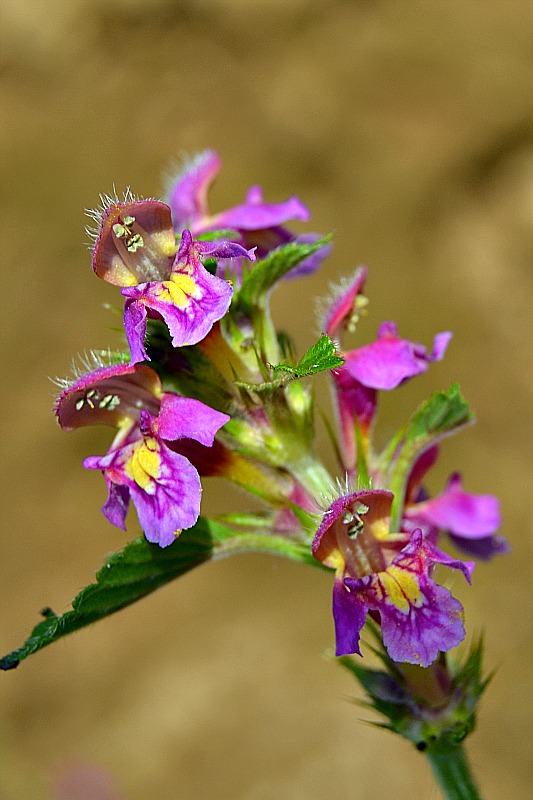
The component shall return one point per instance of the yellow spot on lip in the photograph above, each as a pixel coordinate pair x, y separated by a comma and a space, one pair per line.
179, 289
401, 588
145, 465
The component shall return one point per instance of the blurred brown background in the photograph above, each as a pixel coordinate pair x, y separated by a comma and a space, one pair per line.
407, 128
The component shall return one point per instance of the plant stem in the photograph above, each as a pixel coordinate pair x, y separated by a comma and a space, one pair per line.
450, 767
264, 543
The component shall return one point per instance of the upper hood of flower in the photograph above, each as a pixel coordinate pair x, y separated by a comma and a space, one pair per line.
363, 514
109, 395
134, 241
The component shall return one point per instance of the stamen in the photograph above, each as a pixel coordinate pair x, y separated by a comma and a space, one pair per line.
110, 401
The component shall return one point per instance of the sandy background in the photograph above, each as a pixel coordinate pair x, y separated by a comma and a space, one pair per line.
407, 128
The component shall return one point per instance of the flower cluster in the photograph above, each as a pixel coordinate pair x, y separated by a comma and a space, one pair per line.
210, 387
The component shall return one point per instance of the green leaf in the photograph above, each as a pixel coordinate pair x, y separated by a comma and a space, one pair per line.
439, 416
224, 234
141, 567
266, 273
321, 356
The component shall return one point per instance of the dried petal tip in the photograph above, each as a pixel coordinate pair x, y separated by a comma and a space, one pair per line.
135, 241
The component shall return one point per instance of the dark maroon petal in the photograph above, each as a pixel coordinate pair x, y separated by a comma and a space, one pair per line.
135, 244
109, 395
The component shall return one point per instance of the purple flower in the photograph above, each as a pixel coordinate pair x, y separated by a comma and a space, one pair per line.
419, 618
471, 520
389, 361
141, 464
258, 224
136, 249
388, 574
383, 364
190, 300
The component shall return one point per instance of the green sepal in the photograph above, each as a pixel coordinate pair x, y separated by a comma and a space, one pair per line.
188, 371
224, 234
439, 416
364, 480
432, 707
211, 265
192, 374
141, 567
258, 282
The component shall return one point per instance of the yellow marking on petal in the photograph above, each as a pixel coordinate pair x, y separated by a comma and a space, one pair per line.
409, 584
144, 466
127, 278
401, 588
380, 529
392, 593
179, 289
335, 560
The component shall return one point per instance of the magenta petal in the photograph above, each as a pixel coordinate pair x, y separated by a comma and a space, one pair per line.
135, 329
440, 345
183, 417
341, 306
224, 249
188, 195
254, 195
382, 365
421, 551
387, 362
115, 507
418, 617
356, 405
349, 614
201, 305
425, 461
252, 216
168, 503
473, 516
355, 400
419, 636
174, 505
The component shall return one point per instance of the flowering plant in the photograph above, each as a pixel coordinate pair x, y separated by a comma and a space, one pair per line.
209, 387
